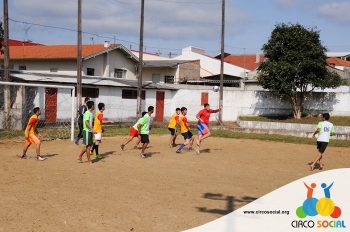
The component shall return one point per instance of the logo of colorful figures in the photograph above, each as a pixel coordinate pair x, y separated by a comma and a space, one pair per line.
323, 206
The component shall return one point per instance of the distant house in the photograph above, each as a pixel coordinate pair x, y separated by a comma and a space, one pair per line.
340, 55
13, 42
210, 68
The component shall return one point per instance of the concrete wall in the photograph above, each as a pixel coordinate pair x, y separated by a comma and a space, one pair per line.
148, 72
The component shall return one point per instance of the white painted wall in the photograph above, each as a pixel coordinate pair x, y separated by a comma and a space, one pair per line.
65, 67
148, 72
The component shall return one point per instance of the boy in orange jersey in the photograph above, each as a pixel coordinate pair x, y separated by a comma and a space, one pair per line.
98, 121
32, 135
185, 131
173, 122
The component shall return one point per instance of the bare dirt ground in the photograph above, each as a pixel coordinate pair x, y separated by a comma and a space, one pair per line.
165, 192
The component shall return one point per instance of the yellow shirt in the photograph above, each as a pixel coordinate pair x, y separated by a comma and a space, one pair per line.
173, 121
33, 122
98, 122
183, 124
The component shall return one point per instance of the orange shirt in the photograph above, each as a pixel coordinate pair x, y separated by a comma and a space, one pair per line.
183, 124
32, 123
98, 122
173, 121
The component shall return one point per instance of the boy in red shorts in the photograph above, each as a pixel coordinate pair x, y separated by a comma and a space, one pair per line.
203, 117
133, 134
32, 135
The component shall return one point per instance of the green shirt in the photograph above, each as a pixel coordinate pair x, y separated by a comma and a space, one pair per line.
145, 122
87, 117
137, 124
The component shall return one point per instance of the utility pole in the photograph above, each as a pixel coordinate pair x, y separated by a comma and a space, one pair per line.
7, 77
79, 58
222, 61
139, 76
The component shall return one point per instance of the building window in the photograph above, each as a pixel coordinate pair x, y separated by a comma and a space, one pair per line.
53, 69
132, 94
155, 78
169, 79
90, 71
22, 67
89, 92
119, 73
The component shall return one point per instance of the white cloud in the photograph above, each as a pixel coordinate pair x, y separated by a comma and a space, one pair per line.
163, 19
338, 11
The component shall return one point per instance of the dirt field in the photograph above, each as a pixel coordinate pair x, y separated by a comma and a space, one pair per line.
165, 192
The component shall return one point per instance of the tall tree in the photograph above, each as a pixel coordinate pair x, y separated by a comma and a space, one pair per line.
295, 65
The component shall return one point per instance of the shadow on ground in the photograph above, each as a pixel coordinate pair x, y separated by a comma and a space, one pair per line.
231, 203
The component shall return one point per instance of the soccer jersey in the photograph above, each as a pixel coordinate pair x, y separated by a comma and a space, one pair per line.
145, 122
33, 122
183, 124
98, 122
173, 121
87, 117
136, 125
204, 115
326, 128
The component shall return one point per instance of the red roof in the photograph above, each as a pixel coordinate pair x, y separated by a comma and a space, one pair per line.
52, 51
333, 61
13, 42
244, 61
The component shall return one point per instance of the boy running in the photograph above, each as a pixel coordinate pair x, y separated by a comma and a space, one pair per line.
81, 112
88, 131
32, 135
325, 130
98, 121
203, 117
133, 134
185, 131
143, 128
173, 122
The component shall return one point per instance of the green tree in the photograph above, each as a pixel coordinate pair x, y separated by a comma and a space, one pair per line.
295, 65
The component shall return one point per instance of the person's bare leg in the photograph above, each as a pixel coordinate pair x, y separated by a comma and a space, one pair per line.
38, 149
25, 149
198, 141
318, 157
144, 146
192, 140
137, 142
205, 136
129, 140
88, 148
171, 141
80, 157
174, 139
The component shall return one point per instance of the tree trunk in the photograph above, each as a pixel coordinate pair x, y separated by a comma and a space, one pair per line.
297, 105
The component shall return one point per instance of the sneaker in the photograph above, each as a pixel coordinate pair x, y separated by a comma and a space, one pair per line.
178, 151
23, 157
76, 141
122, 147
98, 157
40, 158
143, 155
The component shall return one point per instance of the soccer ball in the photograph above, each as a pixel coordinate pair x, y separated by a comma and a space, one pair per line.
216, 88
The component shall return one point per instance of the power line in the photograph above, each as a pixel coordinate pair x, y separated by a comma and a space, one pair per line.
215, 2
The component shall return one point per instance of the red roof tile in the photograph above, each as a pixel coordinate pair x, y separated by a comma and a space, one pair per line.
52, 51
333, 61
244, 61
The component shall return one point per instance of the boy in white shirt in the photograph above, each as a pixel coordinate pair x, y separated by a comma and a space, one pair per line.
325, 130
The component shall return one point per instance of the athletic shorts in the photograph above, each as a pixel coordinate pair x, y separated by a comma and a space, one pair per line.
203, 129
98, 136
172, 131
87, 138
32, 139
144, 138
133, 132
321, 146
187, 135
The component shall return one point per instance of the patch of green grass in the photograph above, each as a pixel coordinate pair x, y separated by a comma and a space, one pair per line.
276, 138
337, 120
111, 131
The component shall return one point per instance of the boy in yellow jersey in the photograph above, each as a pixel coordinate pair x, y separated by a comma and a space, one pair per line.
98, 128
32, 135
173, 122
185, 130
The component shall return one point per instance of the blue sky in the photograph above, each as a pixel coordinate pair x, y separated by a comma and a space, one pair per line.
173, 24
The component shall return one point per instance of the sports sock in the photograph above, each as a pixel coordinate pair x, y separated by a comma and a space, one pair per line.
181, 147
96, 149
